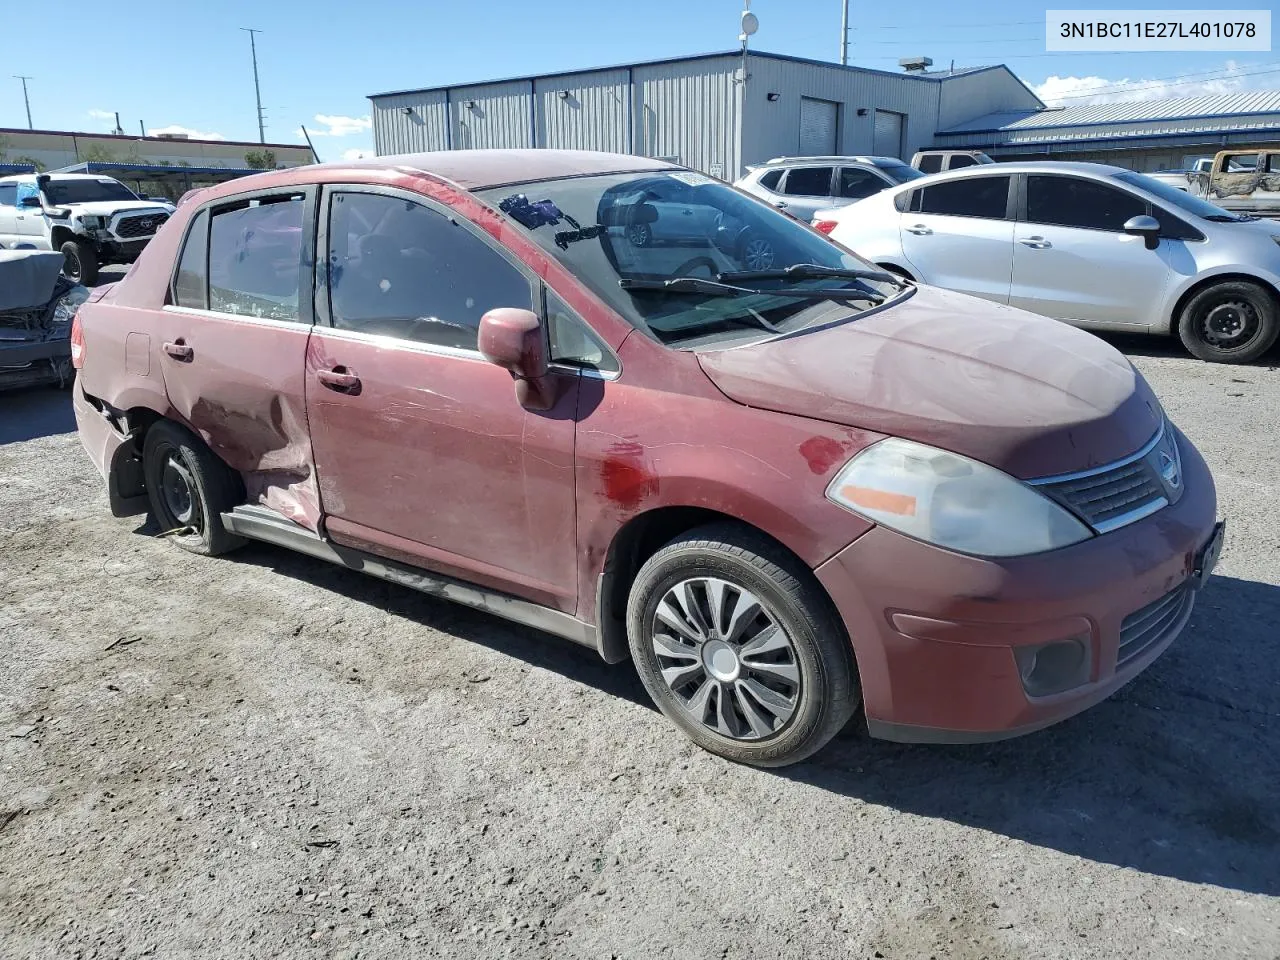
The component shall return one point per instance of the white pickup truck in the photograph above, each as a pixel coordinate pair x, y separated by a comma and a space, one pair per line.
92, 220
1242, 181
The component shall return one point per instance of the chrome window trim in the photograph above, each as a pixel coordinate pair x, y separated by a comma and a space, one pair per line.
247, 317
398, 343
1105, 468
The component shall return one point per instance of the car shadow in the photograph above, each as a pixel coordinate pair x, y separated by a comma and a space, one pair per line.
35, 412
1145, 345
1173, 775
531, 646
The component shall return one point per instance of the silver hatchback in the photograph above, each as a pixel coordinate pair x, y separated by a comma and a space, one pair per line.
801, 186
1096, 246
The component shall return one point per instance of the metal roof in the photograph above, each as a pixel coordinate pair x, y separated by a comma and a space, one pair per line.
1135, 112
8, 168
936, 76
477, 169
157, 172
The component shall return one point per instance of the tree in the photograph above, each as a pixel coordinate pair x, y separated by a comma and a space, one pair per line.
260, 159
39, 165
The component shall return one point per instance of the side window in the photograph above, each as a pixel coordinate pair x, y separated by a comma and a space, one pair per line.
986, 197
255, 257
1072, 202
930, 163
572, 341
191, 284
808, 182
770, 180
8, 194
398, 268
959, 160
27, 188
856, 184
1240, 163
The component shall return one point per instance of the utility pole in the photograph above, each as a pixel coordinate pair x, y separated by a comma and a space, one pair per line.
844, 36
25, 99
257, 92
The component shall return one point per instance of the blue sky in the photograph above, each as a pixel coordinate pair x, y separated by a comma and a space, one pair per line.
186, 66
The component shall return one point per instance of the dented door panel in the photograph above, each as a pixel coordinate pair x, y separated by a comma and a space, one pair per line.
242, 391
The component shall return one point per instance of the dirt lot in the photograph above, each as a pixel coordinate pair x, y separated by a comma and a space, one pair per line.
264, 756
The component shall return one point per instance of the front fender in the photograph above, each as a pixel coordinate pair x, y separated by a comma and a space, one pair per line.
1168, 319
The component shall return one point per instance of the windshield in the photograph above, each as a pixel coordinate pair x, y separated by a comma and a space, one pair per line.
624, 235
898, 171
1178, 198
58, 192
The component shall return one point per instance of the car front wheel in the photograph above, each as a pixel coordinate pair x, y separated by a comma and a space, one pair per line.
738, 645
79, 262
1231, 322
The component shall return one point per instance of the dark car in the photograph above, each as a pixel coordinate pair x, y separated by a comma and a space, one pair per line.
783, 492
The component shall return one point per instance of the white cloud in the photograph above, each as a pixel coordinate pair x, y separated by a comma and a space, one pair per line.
357, 153
191, 133
1081, 91
337, 126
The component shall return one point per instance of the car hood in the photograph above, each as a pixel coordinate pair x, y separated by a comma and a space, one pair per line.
108, 208
1029, 395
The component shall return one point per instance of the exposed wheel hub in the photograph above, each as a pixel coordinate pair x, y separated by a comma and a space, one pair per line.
177, 486
1230, 322
729, 663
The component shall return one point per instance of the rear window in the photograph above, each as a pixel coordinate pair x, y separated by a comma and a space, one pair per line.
808, 182
255, 258
984, 197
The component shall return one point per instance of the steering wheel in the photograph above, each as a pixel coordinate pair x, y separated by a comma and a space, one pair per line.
686, 269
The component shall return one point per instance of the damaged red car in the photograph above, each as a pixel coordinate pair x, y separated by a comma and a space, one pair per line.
624, 403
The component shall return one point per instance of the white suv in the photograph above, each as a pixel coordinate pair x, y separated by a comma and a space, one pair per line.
801, 186
92, 220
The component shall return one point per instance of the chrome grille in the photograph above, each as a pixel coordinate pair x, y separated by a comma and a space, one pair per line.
1153, 623
1123, 492
132, 228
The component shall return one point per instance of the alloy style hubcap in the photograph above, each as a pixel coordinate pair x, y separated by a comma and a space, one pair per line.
728, 662
759, 255
176, 485
639, 236
1230, 322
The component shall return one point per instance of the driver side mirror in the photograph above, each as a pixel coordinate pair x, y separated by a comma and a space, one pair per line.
516, 340
1146, 227
29, 201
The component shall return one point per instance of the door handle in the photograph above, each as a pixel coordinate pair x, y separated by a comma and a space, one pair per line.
340, 380
179, 350
780, 204
919, 230
1035, 243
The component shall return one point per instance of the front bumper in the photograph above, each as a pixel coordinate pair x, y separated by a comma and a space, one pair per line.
935, 632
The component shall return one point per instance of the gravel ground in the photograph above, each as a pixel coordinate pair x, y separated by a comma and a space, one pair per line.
265, 756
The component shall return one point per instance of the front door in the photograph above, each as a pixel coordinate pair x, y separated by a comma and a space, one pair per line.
232, 344
958, 234
423, 453
1072, 259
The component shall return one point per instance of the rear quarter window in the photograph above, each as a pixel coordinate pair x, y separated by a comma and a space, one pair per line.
191, 281
770, 180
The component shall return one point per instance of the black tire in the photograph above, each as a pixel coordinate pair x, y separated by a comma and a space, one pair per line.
828, 690
173, 458
1230, 322
81, 262
640, 234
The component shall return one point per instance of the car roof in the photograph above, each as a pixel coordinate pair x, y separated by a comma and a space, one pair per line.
477, 169
846, 158
30, 177
1028, 166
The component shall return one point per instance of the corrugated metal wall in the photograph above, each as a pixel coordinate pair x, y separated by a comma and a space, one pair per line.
772, 128
424, 127
492, 115
585, 111
689, 111
964, 94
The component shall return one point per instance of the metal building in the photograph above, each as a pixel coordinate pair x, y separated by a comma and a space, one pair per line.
715, 112
1144, 135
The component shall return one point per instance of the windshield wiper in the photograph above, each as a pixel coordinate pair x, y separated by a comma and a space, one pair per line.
1229, 218
716, 289
812, 271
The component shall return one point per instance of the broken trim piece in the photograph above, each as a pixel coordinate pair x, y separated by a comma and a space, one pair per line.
262, 523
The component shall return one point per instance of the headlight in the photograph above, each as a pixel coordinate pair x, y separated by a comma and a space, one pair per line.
91, 223
951, 501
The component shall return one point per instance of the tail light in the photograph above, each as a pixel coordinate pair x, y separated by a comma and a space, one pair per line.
824, 226
77, 342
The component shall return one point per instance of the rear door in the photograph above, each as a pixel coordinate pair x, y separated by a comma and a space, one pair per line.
233, 341
958, 234
806, 190
423, 452
1072, 259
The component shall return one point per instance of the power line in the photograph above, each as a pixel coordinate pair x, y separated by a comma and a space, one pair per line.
1152, 82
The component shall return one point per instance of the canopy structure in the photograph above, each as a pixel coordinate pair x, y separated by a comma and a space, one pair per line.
7, 169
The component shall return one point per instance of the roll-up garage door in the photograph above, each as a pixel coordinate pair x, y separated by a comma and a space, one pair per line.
887, 140
818, 127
